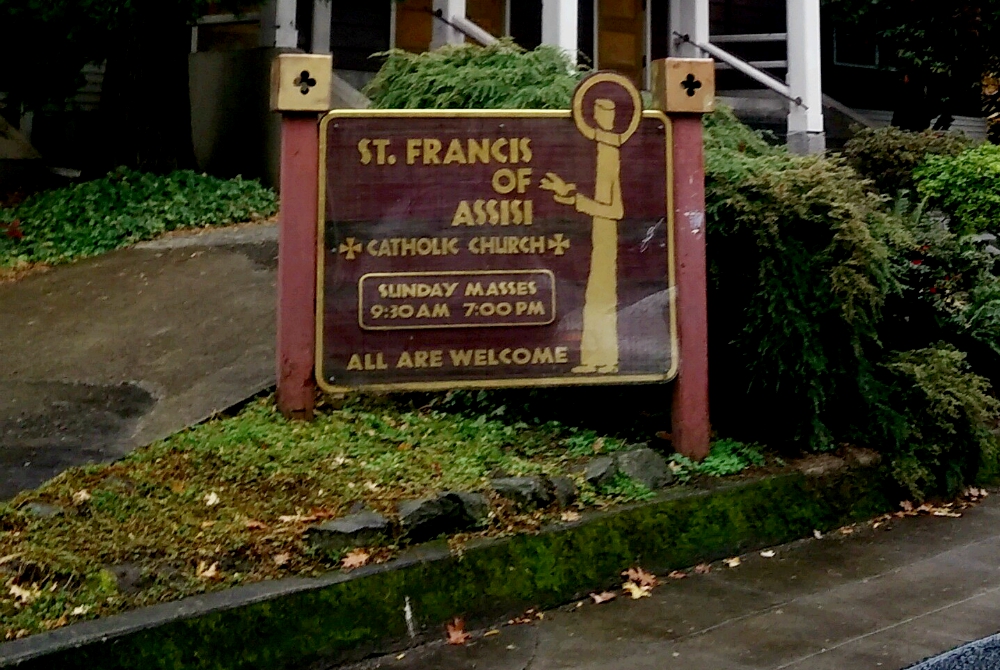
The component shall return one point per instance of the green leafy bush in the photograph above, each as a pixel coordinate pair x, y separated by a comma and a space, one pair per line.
798, 273
966, 187
124, 207
888, 156
470, 77
942, 421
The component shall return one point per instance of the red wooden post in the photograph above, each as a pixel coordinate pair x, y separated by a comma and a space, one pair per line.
297, 235
691, 427
300, 90
685, 89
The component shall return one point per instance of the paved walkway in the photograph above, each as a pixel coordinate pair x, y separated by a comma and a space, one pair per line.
884, 598
104, 355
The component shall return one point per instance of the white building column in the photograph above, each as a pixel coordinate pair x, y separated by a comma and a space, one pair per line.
805, 121
443, 33
689, 17
322, 15
277, 23
560, 25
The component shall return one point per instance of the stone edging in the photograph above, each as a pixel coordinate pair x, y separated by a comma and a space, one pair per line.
391, 606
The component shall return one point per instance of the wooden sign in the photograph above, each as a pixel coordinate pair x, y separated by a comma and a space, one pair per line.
497, 248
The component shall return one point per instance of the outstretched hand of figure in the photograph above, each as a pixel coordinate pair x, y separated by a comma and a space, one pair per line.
562, 191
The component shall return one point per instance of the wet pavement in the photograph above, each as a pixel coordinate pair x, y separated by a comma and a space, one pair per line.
876, 598
107, 354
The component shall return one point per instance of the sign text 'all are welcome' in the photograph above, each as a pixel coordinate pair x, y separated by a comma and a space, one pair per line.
497, 248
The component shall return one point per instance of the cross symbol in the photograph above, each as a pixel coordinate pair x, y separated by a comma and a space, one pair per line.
304, 82
691, 85
558, 244
350, 247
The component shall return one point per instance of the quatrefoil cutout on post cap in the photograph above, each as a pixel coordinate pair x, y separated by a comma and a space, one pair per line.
304, 82
691, 84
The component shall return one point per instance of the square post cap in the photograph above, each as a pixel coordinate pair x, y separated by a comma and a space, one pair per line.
301, 82
684, 85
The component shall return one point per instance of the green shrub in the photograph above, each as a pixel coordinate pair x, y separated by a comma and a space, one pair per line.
470, 77
966, 187
888, 156
124, 207
941, 422
798, 273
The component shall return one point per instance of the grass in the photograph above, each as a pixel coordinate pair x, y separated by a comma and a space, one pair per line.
125, 207
238, 492
228, 502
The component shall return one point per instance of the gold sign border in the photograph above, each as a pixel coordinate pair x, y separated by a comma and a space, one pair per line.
457, 273
574, 380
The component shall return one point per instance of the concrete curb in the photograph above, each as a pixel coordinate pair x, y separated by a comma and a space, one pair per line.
385, 607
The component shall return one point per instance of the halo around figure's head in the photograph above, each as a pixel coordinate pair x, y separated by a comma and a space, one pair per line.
605, 105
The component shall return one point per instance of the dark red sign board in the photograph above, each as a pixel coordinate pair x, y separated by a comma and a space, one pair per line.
497, 248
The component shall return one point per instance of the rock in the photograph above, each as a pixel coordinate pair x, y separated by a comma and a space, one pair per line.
427, 518
600, 471
863, 458
475, 506
526, 492
818, 465
363, 529
646, 467
564, 490
128, 577
42, 510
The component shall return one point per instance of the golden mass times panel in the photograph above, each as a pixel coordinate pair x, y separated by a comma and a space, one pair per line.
497, 248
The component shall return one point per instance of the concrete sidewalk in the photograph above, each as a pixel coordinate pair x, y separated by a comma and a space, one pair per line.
884, 598
101, 356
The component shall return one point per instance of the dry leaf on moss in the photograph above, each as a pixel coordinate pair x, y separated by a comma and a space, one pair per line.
355, 559
206, 571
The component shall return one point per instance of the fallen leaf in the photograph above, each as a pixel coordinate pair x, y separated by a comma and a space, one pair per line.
733, 562
664, 435
636, 591
677, 574
207, 524
947, 513
80, 610
58, 623
281, 559
212, 499
355, 559
206, 571
177, 487
846, 530
400, 657
253, 524
22, 595
456, 632
81, 497
490, 633
818, 535
767, 554
17, 635
404, 446
641, 577
906, 505
603, 597
371, 486
569, 516
703, 568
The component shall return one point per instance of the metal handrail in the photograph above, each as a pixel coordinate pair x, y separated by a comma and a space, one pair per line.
750, 37
779, 87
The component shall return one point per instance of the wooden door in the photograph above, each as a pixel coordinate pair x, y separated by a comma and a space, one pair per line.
621, 38
414, 25
490, 15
